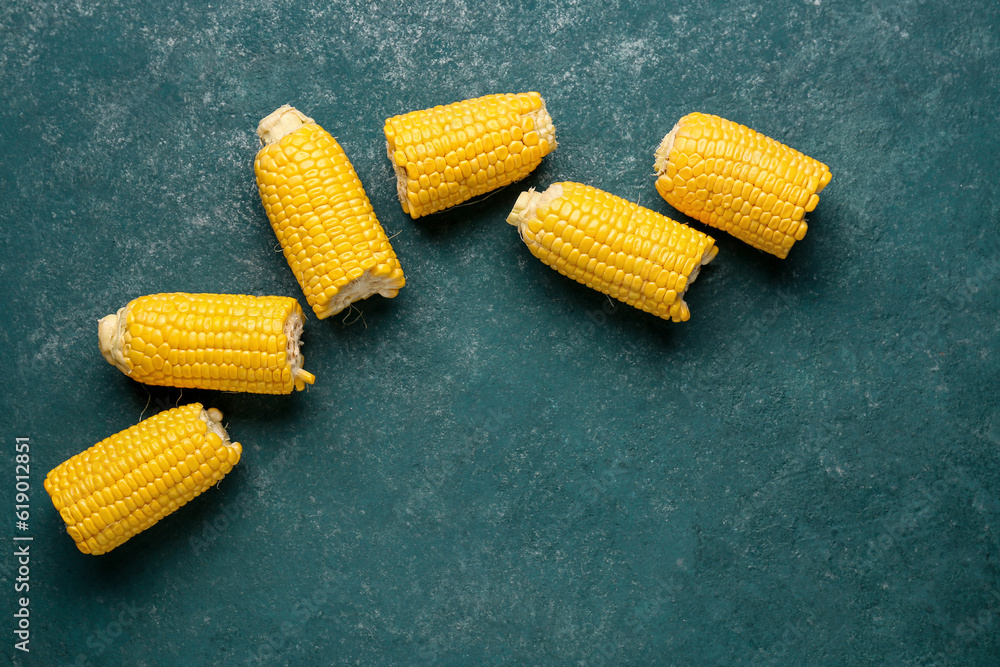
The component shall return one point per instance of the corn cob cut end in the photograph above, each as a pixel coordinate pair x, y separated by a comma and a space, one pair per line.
400, 181
543, 125
663, 151
366, 285
110, 332
213, 420
282, 121
528, 203
293, 332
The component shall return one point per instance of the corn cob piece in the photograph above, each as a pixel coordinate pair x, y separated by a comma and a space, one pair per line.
321, 215
126, 483
448, 154
230, 342
619, 248
728, 176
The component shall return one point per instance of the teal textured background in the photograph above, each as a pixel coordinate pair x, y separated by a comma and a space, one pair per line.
499, 466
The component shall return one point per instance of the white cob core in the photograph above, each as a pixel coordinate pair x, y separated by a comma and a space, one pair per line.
110, 333
213, 419
281, 122
662, 154
528, 202
293, 350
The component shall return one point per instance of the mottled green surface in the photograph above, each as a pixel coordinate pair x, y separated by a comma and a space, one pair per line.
498, 466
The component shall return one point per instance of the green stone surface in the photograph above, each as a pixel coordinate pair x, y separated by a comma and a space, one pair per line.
499, 466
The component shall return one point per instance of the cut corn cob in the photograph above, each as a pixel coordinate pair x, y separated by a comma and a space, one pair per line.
728, 176
230, 342
619, 248
125, 483
448, 154
321, 215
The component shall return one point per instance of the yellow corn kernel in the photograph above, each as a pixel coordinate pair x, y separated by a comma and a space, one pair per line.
208, 341
321, 215
619, 248
728, 176
472, 147
100, 514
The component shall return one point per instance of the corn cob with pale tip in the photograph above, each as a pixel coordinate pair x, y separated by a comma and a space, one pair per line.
728, 176
619, 248
446, 155
321, 215
125, 483
229, 342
